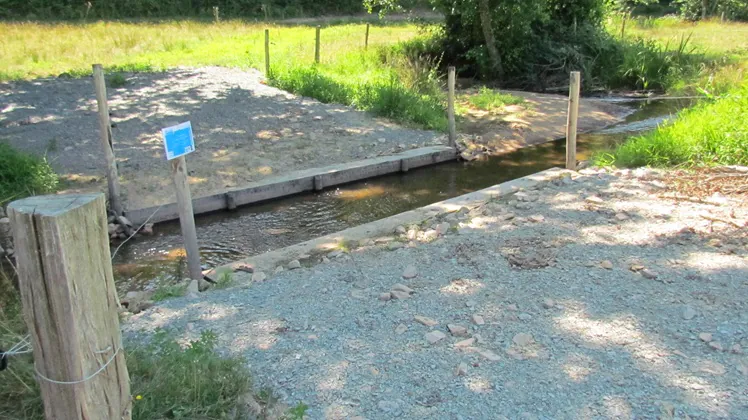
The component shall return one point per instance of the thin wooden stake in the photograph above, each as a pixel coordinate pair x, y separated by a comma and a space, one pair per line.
366, 39
571, 122
186, 216
105, 135
316, 46
451, 106
267, 53
70, 306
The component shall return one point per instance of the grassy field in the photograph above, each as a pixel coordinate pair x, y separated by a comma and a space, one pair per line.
715, 132
31, 50
723, 44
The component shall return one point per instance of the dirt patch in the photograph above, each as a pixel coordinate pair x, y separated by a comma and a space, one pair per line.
542, 117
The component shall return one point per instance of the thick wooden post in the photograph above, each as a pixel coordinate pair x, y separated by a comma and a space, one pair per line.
106, 140
186, 217
571, 122
316, 46
267, 53
366, 39
70, 306
451, 106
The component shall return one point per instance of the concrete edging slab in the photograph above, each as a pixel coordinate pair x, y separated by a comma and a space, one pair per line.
296, 182
267, 261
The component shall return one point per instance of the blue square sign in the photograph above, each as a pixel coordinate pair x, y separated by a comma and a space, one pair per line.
178, 140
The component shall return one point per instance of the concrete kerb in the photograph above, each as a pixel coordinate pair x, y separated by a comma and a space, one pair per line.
268, 261
296, 182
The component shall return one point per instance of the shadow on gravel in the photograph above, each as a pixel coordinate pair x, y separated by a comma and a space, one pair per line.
642, 316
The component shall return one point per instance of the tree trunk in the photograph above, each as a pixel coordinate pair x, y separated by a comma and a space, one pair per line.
493, 53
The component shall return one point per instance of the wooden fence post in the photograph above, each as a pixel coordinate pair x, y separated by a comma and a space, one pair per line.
70, 305
451, 106
267, 53
186, 217
105, 136
366, 39
571, 122
316, 45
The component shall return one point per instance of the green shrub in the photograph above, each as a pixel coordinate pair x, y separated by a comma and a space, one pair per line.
169, 381
712, 133
22, 175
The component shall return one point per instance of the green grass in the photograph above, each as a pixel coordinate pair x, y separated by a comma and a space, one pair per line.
226, 279
491, 100
172, 381
713, 132
168, 292
22, 175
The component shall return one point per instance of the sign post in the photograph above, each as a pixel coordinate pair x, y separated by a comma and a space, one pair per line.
178, 142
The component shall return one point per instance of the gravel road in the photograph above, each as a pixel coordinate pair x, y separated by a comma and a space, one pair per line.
591, 297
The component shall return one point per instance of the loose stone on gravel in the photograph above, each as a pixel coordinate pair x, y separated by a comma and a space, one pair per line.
606, 264
461, 369
385, 296
478, 320
410, 272
457, 330
294, 264
401, 329
648, 274
688, 313
434, 337
465, 343
489, 355
426, 321
548, 303
523, 339
258, 276
397, 294
705, 337
402, 288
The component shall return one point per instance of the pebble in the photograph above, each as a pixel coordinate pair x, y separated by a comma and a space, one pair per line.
397, 294
401, 329
465, 343
461, 369
548, 303
410, 272
705, 337
258, 276
358, 294
426, 321
716, 345
279, 269
523, 339
488, 354
648, 274
400, 230
386, 405
457, 330
606, 264
536, 219
593, 199
402, 288
688, 313
524, 316
478, 320
434, 337
385, 296
442, 228
294, 264
621, 217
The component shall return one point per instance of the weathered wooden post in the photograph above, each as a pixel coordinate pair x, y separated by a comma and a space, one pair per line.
366, 39
70, 306
451, 106
186, 217
106, 140
216, 14
267, 53
316, 45
571, 122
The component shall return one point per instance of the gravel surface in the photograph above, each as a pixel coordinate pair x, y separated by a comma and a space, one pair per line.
588, 297
244, 130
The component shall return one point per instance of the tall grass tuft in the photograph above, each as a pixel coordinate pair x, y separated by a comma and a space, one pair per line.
711, 133
23, 175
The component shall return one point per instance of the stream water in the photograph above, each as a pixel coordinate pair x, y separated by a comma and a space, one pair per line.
148, 262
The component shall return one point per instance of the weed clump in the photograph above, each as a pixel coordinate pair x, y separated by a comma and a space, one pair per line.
22, 175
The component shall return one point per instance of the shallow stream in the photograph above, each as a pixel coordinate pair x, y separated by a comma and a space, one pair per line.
147, 262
